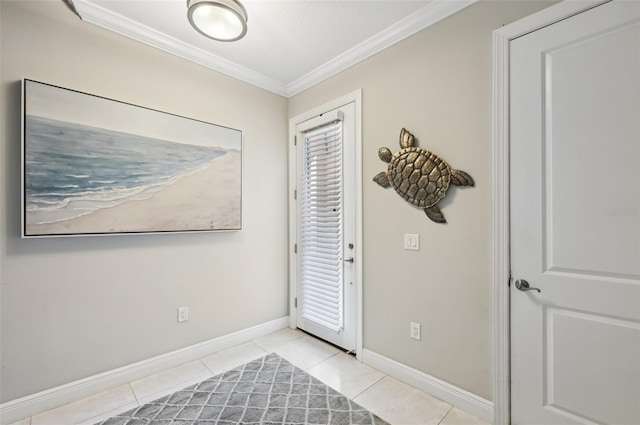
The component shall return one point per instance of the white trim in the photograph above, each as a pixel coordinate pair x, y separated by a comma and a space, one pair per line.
359, 255
426, 16
30, 405
293, 220
501, 236
355, 96
451, 394
97, 15
421, 19
501, 264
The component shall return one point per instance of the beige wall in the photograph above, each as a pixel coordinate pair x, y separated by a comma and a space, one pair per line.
437, 84
75, 307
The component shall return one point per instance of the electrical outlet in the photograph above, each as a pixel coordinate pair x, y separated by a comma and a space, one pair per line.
415, 331
183, 314
412, 242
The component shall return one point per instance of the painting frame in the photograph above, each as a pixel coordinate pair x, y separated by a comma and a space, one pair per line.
96, 166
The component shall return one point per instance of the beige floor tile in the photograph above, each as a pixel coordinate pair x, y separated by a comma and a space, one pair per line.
26, 421
233, 357
306, 352
460, 417
168, 381
345, 374
104, 416
272, 341
401, 404
78, 411
392, 400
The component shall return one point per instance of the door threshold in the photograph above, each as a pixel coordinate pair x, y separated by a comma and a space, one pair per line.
350, 352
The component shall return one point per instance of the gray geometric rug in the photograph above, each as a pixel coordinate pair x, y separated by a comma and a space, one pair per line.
266, 391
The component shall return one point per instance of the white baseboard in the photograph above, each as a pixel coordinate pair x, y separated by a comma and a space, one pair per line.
30, 405
451, 394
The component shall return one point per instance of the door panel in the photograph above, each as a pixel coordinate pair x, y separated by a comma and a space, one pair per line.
583, 160
325, 278
596, 340
575, 219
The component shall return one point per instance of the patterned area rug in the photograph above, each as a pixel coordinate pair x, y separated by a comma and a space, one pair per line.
266, 391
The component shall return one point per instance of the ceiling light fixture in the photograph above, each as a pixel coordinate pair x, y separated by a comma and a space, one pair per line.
222, 20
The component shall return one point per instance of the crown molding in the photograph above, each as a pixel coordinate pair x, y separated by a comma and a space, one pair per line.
430, 14
97, 15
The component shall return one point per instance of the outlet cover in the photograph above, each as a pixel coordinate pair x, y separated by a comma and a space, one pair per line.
412, 242
415, 331
183, 314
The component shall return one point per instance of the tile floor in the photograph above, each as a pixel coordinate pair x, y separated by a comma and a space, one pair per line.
387, 397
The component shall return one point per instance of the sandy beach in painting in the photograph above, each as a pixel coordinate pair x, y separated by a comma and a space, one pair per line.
207, 200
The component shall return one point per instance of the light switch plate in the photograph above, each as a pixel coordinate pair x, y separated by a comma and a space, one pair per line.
415, 331
183, 314
412, 242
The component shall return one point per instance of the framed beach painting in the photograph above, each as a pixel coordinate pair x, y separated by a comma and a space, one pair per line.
97, 166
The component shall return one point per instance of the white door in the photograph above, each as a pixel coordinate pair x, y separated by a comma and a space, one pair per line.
575, 219
326, 230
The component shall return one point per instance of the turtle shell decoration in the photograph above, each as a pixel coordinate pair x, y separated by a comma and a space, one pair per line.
419, 176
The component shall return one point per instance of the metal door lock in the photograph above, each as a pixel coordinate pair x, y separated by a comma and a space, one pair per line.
523, 286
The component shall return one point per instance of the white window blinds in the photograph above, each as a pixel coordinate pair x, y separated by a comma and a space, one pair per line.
321, 204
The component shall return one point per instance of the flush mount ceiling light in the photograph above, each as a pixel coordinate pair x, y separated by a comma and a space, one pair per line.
222, 20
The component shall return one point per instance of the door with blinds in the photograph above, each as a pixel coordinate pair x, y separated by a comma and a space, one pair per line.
325, 210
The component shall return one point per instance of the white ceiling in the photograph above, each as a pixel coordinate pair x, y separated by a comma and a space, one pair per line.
290, 44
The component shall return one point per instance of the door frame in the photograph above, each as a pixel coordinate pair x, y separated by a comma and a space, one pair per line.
355, 97
501, 215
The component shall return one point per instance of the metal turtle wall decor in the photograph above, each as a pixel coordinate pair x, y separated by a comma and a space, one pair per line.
419, 176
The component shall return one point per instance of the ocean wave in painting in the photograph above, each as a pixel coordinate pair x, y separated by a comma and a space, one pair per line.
72, 170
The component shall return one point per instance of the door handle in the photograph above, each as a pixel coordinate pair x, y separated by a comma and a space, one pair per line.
348, 260
523, 286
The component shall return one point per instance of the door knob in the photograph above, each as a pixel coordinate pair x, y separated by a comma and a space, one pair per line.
348, 260
523, 285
